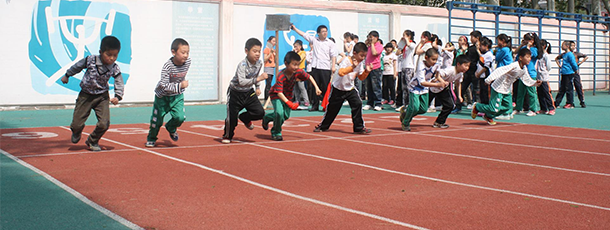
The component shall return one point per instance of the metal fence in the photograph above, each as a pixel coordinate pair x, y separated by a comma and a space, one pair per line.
590, 33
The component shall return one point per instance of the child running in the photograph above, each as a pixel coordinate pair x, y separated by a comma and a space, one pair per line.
169, 93
281, 94
343, 88
418, 88
240, 94
94, 91
502, 79
444, 94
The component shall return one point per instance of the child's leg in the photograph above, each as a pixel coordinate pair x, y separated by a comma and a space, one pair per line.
570, 89
578, 88
522, 90
484, 96
399, 96
385, 88
550, 103
355, 103
160, 107
335, 101
177, 112
412, 109
532, 98
446, 99
562, 90
81, 113
542, 97
254, 109
234, 105
281, 113
303, 92
392, 86
498, 104
268, 85
101, 106
424, 103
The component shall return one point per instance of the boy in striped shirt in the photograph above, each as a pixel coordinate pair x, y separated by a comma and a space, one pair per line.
281, 94
501, 81
169, 93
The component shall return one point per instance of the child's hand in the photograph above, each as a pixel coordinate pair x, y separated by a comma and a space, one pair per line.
64, 79
369, 67
318, 91
292, 105
258, 92
262, 77
538, 83
184, 84
460, 99
114, 101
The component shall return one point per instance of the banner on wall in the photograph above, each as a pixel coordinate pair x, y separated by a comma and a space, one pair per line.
64, 32
306, 23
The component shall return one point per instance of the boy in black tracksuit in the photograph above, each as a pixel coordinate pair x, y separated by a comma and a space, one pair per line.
240, 94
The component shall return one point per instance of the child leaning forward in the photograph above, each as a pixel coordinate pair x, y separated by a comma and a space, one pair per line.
281, 94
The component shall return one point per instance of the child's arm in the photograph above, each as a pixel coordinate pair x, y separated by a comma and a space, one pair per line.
498, 73
118, 89
459, 89
290, 104
584, 59
366, 72
313, 82
76, 68
419, 49
395, 63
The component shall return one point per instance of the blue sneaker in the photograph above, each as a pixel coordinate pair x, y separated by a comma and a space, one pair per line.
173, 136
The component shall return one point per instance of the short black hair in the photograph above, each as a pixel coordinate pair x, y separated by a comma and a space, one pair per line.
427, 35
476, 34
291, 56
524, 51
110, 43
461, 59
431, 52
374, 33
355, 37
178, 42
486, 42
320, 27
360, 47
347, 35
270, 38
252, 42
298, 41
389, 45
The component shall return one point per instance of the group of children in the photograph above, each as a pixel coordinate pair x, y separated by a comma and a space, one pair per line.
427, 73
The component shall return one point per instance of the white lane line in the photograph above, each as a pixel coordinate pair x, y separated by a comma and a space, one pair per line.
73, 153
529, 133
412, 175
349, 210
76, 194
459, 155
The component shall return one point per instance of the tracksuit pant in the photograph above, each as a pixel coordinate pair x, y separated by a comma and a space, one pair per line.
281, 113
447, 100
545, 97
163, 105
84, 104
498, 104
530, 93
236, 101
337, 97
565, 87
418, 104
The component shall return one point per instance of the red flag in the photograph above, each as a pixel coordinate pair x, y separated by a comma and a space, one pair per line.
326, 96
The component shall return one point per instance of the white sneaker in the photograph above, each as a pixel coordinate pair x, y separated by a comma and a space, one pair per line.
302, 107
346, 103
366, 107
226, 141
377, 108
150, 144
530, 114
399, 108
431, 110
503, 117
469, 106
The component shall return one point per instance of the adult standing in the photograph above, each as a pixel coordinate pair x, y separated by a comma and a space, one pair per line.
323, 62
269, 60
373, 82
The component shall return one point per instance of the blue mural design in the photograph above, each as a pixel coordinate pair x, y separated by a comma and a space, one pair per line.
63, 32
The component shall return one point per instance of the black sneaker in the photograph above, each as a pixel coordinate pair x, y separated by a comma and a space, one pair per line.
442, 126
75, 138
93, 146
406, 128
173, 136
277, 138
363, 131
265, 125
318, 129
582, 104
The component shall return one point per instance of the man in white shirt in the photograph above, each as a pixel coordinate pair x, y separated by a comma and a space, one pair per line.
323, 62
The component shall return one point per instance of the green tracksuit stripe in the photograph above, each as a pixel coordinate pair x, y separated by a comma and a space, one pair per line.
163, 105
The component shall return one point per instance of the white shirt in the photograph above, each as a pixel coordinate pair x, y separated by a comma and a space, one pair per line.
447, 58
323, 52
543, 66
388, 63
351, 53
488, 59
448, 74
408, 56
504, 77
346, 83
421, 57
422, 74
